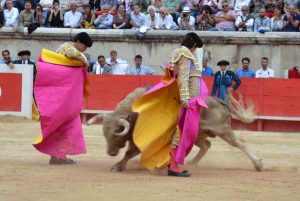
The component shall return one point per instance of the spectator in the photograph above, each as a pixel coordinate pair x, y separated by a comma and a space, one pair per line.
206, 19
245, 71
19, 4
128, 4
25, 59
206, 71
157, 4
264, 71
140, 69
220, 3
223, 81
46, 7
193, 5
2, 4
281, 6
26, 15
1, 18
291, 20
294, 73
277, 21
72, 17
137, 19
151, 18
121, 19
88, 18
239, 5
38, 15
118, 66
186, 22
270, 6
56, 18
143, 5
245, 21
7, 59
11, 15
100, 67
224, 19
165, 20
105, 20
212, 4
255, 6
262, 23
112, 5
172, 6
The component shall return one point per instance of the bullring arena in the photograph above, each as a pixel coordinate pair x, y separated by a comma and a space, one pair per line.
224, 174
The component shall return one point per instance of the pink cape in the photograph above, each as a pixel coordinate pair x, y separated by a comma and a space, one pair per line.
59, 96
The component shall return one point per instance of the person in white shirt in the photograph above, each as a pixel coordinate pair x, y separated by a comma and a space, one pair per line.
245, 21
186, 21
151, 17
11, 15
72, 17
239, 4
165, 20
264, 71
119, 66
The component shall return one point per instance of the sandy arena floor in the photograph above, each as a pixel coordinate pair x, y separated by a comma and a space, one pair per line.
225, 174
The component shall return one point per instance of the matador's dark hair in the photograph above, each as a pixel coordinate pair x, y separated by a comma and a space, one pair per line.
84, 38
191, 39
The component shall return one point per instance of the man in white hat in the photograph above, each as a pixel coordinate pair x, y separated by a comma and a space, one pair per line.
186, 21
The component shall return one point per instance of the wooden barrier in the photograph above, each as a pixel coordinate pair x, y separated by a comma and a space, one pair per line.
276, 100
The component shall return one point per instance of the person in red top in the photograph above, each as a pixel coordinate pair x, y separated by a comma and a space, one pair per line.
294, 73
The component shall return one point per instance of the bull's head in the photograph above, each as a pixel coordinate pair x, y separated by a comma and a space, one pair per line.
115, 130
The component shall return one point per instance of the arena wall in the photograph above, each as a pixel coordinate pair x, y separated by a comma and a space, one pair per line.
276, 100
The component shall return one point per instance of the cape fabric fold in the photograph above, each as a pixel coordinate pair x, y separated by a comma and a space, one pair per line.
59, 97
157, 121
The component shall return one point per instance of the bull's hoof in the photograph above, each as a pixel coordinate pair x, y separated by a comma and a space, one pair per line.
117, 168
259, 165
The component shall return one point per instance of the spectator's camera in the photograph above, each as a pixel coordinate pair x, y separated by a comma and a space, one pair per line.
184, 15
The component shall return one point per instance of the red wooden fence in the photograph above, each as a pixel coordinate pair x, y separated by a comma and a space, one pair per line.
277, 101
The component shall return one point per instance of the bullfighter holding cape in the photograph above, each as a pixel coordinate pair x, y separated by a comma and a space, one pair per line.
60, 86
169, 113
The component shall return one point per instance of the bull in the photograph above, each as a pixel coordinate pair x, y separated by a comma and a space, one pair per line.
118, 128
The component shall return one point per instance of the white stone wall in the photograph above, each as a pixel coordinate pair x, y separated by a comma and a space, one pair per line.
282, 49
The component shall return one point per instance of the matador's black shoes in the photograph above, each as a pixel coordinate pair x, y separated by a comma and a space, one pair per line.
184, 173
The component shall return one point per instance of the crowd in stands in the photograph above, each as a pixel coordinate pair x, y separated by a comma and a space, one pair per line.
113, 65
212, 15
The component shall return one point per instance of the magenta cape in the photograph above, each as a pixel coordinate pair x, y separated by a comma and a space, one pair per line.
59, 97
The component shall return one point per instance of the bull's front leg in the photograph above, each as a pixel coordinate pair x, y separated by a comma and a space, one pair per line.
131, 152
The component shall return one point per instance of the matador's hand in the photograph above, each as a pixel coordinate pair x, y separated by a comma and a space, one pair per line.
185, 103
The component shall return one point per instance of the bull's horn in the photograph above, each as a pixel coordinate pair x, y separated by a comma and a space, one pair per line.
126, 126
95, 118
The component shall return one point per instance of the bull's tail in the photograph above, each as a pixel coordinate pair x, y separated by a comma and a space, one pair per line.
239, 111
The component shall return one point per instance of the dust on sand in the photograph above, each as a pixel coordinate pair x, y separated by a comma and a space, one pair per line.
225, 173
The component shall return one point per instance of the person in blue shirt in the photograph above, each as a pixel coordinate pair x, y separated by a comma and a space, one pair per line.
245, 71
140, 69
206, 71
223, 80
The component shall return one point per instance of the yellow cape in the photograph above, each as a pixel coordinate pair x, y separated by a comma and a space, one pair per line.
156, 124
